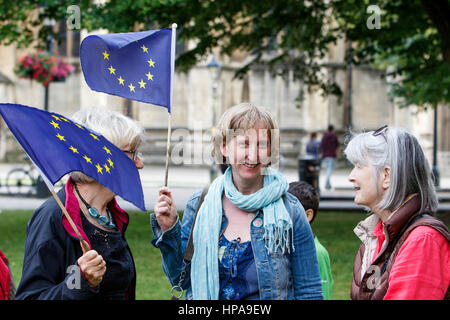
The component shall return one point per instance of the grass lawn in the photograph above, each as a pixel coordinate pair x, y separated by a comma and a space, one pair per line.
334, 230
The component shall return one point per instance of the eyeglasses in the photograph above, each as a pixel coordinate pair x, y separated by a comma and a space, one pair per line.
380, 131
134, 154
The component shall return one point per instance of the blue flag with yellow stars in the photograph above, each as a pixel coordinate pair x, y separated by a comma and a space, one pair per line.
133, 65
57, 146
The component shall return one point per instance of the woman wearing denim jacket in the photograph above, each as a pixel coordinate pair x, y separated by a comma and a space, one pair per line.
251, 237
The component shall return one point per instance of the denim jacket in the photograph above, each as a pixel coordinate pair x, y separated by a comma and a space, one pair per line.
294, 275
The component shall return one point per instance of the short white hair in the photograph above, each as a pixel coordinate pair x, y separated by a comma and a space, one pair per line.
117, 128
399, 150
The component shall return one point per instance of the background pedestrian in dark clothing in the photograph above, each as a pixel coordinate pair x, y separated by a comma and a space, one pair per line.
329, 146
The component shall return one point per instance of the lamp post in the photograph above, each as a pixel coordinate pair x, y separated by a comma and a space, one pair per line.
48, 23
435, 169
349, 57
215, 69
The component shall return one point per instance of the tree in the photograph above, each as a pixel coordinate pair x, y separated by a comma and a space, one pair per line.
412, 36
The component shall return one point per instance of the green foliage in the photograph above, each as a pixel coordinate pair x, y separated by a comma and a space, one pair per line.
408, 42
413, 38
13, 18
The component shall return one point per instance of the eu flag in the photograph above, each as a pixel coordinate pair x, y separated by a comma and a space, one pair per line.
133, 65
58, 146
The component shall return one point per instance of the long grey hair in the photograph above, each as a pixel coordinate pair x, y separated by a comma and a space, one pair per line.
399, 150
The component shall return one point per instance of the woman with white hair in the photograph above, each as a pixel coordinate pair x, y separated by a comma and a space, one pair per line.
405, 250
55, 266
251, 238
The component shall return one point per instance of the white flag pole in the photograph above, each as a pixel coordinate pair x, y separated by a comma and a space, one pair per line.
172, 72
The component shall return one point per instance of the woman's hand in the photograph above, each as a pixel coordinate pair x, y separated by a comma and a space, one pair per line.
92, 266
165, 210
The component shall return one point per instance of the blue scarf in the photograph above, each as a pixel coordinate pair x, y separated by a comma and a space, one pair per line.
277, 226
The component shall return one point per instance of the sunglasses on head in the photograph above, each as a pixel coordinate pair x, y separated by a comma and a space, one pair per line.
380, 131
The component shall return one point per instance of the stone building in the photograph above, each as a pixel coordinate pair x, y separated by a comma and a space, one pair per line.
195, 94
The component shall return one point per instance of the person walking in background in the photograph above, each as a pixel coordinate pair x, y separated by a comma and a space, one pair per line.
329, 146
309, 198
405, 250
313, 146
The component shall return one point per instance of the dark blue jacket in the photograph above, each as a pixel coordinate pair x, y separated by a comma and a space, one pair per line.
50, 270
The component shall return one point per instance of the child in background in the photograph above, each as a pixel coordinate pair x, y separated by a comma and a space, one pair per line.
309, 198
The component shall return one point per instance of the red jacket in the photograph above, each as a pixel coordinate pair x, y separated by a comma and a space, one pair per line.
5, 278
329, 145
422, 267
406, 257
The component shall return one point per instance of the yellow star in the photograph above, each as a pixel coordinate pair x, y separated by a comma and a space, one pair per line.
120, 80
106, 168
79, 126
65, 119
142, 84
88, 160
94, 136
112, 70
131, 87
105, 55
60, 137
54, 124
111, 164
144, 48
74, 150
149, 76
107, 150
151, 63
99, 168
57, 118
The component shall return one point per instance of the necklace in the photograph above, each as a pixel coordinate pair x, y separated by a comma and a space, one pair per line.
93, 212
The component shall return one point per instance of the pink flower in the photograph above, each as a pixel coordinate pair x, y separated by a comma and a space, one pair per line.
43, 67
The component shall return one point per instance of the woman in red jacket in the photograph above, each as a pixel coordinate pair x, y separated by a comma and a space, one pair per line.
405, 251
7, 287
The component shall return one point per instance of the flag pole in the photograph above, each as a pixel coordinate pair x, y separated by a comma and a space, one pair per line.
168, 150
84, 244
169, 128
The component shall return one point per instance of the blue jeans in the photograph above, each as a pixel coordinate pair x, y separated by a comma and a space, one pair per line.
329, 163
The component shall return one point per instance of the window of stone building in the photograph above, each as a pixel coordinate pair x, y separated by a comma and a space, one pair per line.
69, 41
